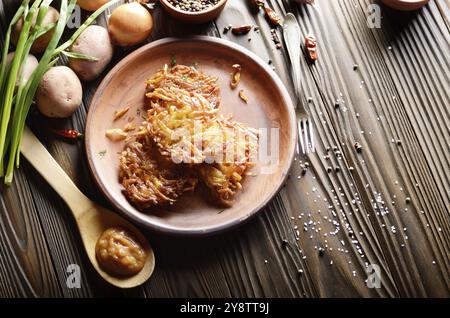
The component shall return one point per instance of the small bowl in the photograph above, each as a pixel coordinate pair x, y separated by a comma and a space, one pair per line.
194, 17
406, 5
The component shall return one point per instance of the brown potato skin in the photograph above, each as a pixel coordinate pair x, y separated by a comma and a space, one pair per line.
59, 93
94, 42
31, 63
41, 43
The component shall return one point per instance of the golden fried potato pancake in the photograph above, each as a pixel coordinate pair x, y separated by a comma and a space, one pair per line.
183, 139
149, 179
219, 148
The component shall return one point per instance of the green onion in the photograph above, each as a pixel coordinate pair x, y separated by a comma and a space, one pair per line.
12, 78
16, 102
24, 102
3, 66
80, 56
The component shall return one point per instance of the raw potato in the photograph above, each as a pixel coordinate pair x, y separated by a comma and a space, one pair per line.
94, 42
41, 43
91, 5
30, 65
60, 93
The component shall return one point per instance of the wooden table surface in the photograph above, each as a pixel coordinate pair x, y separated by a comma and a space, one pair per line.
388, 205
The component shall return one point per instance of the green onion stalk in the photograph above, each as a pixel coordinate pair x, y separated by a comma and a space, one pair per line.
11, 78
16, 102
3, 65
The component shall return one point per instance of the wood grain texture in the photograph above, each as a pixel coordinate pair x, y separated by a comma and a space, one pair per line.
384, 172
26, 268
398, 92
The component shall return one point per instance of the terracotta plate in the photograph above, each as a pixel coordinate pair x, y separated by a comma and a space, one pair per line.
269, 106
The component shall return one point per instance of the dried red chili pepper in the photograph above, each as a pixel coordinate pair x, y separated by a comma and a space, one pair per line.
311, 47
272, 16
243, 29
67, 133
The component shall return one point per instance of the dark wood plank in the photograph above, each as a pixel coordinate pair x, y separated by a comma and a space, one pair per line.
384, 172
251, 261
195, 268
60, 233
300, 199
419, 66
444, 8
247, 262
26, 267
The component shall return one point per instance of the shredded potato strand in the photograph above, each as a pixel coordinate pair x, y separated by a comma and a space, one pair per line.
184, 126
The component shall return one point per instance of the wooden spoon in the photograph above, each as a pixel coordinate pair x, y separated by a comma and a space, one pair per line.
91, 218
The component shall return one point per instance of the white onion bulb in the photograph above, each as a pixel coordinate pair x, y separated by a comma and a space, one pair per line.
130, 24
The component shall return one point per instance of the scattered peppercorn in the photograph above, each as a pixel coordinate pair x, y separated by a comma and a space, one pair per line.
193, 5
275, 38
321, 251
358, 147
